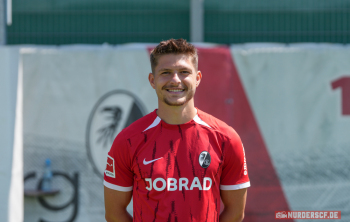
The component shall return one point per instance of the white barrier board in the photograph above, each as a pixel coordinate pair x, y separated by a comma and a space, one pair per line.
299, 95
69, 96
11, 177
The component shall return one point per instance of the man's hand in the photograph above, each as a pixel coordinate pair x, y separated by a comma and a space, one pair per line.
234, 204
115, 205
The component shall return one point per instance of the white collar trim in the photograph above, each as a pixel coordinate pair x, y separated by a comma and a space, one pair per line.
200, 121
154, 124
196, 119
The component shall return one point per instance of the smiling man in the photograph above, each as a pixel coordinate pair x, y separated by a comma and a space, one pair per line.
176, 162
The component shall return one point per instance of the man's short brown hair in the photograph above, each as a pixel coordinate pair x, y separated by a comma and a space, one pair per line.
173, 46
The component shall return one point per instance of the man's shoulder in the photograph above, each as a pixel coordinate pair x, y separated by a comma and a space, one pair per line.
217, 124
139, 125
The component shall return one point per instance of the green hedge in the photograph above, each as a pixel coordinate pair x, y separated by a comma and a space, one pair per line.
225, 21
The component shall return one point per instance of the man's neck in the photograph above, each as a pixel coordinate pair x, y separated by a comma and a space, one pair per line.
177, 114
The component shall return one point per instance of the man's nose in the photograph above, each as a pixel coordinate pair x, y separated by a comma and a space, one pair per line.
175, 78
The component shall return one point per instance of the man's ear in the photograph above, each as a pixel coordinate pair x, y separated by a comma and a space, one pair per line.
198, 77
151, 80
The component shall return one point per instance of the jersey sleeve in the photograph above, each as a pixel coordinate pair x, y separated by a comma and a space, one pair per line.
118, 174
234, 172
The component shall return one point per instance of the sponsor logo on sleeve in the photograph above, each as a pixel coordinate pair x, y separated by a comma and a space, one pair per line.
110, 170
245, 162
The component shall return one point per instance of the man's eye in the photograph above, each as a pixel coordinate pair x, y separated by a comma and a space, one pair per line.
165, 72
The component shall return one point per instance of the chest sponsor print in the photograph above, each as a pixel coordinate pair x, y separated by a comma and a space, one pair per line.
183, 183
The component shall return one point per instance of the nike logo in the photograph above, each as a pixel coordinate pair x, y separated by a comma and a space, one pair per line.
148, 162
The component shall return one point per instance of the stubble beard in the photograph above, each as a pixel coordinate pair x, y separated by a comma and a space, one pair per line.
188, 98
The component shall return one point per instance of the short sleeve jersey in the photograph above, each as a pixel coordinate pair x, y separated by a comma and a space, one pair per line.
176, 171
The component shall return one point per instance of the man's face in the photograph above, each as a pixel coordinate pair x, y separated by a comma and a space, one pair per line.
175, 79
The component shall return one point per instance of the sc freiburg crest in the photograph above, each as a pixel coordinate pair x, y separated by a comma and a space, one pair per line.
204, 159
113, 112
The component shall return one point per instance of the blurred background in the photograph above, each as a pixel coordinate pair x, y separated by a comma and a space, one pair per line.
73, 74
227, 22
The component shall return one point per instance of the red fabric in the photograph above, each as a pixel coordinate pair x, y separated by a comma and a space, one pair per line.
170, 154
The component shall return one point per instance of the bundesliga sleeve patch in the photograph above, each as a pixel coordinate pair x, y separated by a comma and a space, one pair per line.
110, 172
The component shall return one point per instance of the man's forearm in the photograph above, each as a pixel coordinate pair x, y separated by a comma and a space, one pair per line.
227, 216
122, 216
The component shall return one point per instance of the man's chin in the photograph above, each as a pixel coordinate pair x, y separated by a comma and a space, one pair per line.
175, 103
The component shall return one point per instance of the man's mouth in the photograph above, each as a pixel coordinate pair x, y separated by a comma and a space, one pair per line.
175, 90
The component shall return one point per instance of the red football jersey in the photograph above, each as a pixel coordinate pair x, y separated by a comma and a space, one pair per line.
176, 171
